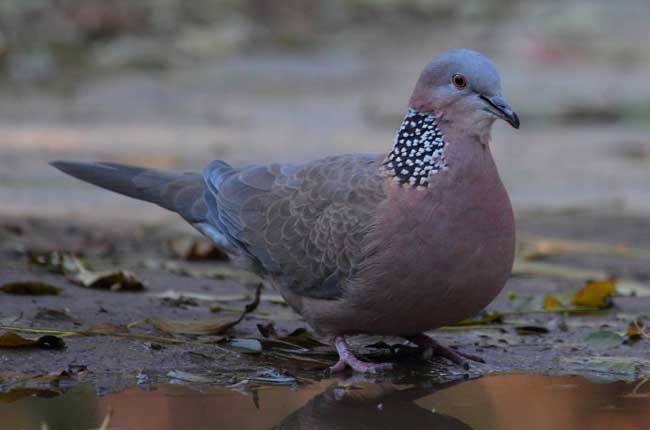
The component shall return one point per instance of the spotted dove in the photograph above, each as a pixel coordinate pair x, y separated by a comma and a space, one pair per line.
393, 243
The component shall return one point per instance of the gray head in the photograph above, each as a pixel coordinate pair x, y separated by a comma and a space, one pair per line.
463, 85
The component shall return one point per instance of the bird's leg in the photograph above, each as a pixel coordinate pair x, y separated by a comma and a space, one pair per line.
425, 342
347, 358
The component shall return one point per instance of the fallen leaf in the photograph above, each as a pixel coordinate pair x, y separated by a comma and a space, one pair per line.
299, 340
206, 327
196, 249
76, 271
32, 288
21, 393
221, 298
108, 328
55, 315
302, 337
596, 294
635, 331
247, 345
299, 361
119, 280
12, 340
485, 318
551, 302
179, 375
603, 339
176, 295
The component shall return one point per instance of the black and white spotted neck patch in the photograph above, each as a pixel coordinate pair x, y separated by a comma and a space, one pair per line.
418, 151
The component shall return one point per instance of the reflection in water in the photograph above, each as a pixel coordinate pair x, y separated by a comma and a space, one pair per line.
500, 402
380, 406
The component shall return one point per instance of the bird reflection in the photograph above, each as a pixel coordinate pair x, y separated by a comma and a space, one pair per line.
370, 406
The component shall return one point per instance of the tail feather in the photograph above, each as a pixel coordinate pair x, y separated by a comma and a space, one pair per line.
177, 192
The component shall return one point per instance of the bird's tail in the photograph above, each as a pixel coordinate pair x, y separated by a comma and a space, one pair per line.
177, 192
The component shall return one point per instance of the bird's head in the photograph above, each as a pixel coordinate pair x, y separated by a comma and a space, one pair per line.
463, 87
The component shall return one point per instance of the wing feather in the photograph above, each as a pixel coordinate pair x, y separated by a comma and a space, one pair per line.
303, 224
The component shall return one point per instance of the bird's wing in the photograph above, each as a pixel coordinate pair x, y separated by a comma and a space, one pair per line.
301, 223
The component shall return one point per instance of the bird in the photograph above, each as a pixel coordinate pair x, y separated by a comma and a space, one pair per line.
395, 243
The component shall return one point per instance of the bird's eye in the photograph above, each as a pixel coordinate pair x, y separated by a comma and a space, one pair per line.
459, 81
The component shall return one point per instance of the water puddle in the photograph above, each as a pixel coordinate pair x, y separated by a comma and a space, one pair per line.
495, 402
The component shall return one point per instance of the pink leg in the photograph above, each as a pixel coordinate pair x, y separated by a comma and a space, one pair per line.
347, 358
424, 341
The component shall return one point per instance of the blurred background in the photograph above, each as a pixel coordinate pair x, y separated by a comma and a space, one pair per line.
174, 84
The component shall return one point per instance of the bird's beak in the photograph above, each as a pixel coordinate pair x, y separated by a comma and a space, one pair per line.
500, 107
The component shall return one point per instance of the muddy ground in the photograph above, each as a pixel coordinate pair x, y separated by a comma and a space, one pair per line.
552, 343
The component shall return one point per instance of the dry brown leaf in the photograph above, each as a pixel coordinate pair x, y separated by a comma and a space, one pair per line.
196, 249
596, 294
12, 340
119, 280
108, 328
300, 338
206, 327
33, 288
76, 271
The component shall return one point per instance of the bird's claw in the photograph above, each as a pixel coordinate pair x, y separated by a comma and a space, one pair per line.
360, 366
347, 358
456, 357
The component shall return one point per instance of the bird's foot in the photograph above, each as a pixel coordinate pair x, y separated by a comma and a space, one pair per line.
457, 357
347, 358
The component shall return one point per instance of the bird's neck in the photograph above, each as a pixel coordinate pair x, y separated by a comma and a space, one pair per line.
418, 152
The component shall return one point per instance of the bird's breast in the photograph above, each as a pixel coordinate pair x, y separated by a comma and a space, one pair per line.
437, 256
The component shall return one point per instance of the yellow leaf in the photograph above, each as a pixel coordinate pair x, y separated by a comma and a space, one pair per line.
635, 330
551, 302
595, 294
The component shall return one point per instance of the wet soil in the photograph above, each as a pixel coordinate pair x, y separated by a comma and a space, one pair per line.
112, 362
